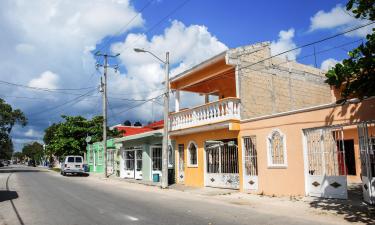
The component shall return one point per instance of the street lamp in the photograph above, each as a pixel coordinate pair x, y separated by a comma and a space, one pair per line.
164, 177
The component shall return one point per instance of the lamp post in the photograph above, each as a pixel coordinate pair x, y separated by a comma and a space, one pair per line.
164, 177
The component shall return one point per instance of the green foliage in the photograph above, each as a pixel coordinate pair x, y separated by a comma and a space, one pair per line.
68, 137
33, 150
8, 118
19, 155
355, 76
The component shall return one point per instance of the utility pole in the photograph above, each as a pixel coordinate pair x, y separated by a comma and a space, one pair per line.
104, 91
164, 177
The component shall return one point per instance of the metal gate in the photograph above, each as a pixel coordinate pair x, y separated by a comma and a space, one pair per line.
326, 163
181, 164
250, 163
222, 164
366, 134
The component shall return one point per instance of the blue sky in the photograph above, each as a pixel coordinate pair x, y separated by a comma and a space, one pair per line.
50, 44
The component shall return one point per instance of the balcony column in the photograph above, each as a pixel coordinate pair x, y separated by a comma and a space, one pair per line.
177, 100
206, 98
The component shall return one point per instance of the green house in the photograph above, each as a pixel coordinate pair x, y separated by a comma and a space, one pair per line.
95, 157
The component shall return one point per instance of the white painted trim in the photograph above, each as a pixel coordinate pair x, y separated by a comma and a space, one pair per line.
269, 159
305, 163
188, 155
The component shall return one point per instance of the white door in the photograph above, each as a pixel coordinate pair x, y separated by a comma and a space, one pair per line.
366, 133
138, 164
221, 165
326, 169
250, 163
129, 163
181, 164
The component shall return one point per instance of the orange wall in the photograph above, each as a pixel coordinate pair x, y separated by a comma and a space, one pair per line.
290, 180
194, 176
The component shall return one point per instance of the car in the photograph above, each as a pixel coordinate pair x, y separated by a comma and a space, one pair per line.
72, 164
5, 162
1, 164
31, 163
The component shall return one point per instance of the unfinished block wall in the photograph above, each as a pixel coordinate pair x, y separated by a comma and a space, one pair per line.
275, 85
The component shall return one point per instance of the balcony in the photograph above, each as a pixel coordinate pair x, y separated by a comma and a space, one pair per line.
214, 112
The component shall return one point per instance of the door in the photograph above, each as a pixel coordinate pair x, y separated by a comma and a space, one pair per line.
222, 164
326, 163
138, 164
366, 134
250, 163
181, 164
129, 163
156, 156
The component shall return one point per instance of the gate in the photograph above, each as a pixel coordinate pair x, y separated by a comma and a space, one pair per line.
250, 163
222, 164
326, 163
366, 134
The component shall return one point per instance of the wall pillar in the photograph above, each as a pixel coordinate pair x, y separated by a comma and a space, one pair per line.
177, 101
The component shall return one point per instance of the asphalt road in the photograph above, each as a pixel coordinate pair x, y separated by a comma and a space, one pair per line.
36, 196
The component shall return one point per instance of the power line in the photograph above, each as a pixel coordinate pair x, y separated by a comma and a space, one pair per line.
309, 44
126, 25
44, 89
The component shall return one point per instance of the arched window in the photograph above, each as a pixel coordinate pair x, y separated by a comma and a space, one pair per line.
276, 143
192, 154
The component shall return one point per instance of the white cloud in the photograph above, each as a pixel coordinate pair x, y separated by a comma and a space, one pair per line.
188, 46
284, 43
340, 19
31, 133
25, 48
47, 79
328, 64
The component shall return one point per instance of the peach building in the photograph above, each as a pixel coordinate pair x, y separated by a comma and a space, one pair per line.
267, 125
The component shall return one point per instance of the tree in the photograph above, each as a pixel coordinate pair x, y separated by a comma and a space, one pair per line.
127, 123
34, 151
355, 77
8, 118
68, 137
19, 155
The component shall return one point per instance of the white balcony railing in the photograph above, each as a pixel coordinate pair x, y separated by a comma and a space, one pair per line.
224, 109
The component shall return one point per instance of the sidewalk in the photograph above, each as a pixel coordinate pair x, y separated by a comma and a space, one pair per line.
351, 211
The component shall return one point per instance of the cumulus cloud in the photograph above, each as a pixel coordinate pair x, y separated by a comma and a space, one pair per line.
328, 64
340, 19
31, 133
47, 79
188, 46
284, 43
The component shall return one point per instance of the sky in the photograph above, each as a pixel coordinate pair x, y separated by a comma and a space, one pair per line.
48, 49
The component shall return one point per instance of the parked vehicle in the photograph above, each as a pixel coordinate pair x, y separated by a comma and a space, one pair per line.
5, 162
1, 164
31, 163
72, 164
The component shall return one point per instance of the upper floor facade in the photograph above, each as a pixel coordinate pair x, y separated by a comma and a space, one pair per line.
245, 82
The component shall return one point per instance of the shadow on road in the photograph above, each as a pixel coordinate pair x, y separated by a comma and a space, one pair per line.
16, 170
8, 195
353, 209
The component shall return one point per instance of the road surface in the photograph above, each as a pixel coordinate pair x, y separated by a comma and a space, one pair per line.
37, 196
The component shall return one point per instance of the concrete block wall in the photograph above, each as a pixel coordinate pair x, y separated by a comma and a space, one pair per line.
276, 85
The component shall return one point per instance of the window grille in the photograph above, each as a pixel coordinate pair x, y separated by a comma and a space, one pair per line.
156, 158
276, 149
193, 155
181, 157
251, 165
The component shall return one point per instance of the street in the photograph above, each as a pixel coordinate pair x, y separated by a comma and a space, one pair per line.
38, 196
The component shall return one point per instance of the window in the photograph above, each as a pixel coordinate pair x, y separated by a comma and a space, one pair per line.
78, 159
276, 143
71, 159
156, 158
170, 156
192, 155
129, 160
